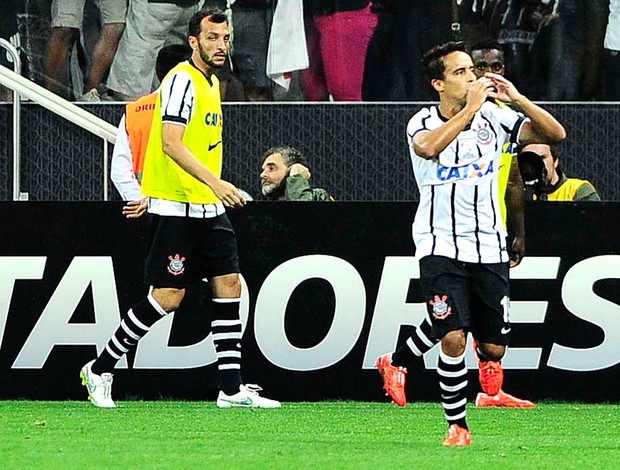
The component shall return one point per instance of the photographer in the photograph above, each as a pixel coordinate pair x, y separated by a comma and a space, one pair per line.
544, 179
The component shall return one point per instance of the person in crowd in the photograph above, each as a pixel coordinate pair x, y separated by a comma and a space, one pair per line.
67, 17
569, 44
338, 33
460, 240
150, 26
252, 24
8, 31
285, 176
610, 86
405, 29
545, 180
191, 237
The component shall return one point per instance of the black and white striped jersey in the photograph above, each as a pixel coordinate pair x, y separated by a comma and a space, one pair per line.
459, 211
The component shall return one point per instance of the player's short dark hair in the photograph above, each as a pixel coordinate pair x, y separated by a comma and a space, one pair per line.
215, 15
490, 44
170, 56
289, 154
432, 60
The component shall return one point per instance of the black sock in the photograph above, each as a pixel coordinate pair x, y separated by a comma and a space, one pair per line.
226, 329
135, 324
416, 345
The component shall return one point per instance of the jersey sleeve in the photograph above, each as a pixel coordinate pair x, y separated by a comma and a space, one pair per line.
177, 98
121, 170
417, 124
510, 120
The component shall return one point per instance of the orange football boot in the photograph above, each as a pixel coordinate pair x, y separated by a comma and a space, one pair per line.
502, 400
393, 379
457, 437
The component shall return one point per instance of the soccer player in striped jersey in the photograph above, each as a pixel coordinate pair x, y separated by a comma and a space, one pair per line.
190, 235
487, 57
458, 230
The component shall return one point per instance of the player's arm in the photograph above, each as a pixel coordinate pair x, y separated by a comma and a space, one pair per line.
429, 144
514, 203
173, 146
541, 127
177, 96
123, 177
121, 169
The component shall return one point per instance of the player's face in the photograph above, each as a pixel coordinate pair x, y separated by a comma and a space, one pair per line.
458, 77
273, 175
488, 60
212, 43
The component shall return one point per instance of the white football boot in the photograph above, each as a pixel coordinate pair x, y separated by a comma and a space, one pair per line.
99, 386
246, 397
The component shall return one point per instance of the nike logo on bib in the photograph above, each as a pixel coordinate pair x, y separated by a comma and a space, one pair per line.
505, 330
211, 147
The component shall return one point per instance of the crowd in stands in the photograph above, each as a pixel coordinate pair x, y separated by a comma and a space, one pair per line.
355, 50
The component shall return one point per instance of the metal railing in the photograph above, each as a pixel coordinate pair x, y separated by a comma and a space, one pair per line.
18, 195
28, 89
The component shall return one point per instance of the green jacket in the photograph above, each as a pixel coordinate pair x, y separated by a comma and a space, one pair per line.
570, 189
298, 189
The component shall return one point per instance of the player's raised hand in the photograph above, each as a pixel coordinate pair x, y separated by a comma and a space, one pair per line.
504, 90
478, 93
228, 194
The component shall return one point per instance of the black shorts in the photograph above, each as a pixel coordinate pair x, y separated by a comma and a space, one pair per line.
469, 296
182, 250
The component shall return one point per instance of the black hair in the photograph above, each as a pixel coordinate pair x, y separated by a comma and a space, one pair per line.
289, 154
556, 151
215, 15
170, 56
491, 44
432, 60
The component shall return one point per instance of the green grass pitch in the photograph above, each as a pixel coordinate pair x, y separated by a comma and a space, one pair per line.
325, 435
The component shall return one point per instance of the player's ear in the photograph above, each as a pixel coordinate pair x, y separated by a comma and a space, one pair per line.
193, 42
437, 84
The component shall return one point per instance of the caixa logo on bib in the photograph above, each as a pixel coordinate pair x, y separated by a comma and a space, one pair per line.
352, 309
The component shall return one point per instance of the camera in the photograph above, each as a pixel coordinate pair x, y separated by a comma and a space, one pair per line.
532, 168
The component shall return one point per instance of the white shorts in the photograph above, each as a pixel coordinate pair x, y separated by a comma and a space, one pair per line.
70, 13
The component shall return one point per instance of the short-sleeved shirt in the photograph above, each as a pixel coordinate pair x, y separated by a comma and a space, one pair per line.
459, 213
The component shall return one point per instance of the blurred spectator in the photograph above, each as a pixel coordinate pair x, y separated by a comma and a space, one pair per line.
338, 33
404, 30
150, 26
475, 21
570, 45
67, 18
545, 180
251, 21
8, 31
285, 176
610, 90
519, 26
